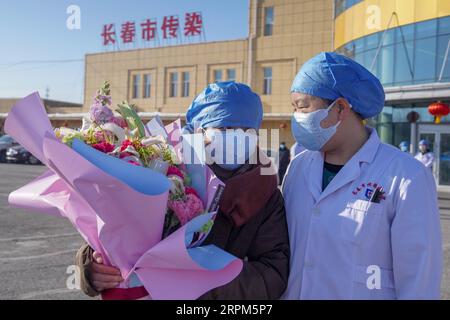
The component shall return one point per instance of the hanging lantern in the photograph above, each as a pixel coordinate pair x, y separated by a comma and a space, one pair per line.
412, 117
438, 110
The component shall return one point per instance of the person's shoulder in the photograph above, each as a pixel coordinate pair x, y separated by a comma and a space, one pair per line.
402, 163
303, 157
298, 165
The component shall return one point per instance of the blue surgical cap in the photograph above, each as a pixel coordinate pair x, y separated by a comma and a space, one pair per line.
330, 75
404, 144
225, 104
423, 142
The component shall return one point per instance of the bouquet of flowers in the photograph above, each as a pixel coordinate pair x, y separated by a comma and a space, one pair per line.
124, 136
129, 195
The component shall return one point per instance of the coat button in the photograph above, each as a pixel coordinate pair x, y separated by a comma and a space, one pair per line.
316, 211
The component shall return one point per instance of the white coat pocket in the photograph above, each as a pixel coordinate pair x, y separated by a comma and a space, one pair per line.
360, 221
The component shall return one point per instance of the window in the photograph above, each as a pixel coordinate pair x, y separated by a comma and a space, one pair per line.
389, 37
267, 81
425, 60
173, 84
185, 92
407, 31
403, 62
147, 85
268, 21
386, 62
426, 29
136, 84
444, 25
443, 42
217, 75
231, 75
372, 41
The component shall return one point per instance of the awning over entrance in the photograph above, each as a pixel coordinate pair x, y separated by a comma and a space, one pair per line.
417, 93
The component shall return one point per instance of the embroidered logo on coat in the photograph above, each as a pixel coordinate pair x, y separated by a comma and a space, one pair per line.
367, 189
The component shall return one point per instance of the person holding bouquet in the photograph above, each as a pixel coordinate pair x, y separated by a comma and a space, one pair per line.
251, 222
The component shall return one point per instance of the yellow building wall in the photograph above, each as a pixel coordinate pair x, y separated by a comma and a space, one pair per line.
197, 59
371, 16
302, 29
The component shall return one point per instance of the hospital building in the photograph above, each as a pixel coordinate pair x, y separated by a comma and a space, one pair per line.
405, 43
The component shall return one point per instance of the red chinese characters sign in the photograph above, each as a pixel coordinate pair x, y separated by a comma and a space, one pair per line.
170, 28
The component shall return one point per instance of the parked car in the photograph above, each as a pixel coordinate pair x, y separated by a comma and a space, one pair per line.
5, 143
18, 154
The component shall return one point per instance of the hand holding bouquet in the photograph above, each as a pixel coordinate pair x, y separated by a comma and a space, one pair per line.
124, 190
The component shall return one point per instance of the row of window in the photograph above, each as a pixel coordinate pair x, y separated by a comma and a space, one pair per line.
142, 83
410, 54
268, 21
185, 84
146, 92
229, 73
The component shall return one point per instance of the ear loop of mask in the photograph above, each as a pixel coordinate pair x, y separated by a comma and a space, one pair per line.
332, 105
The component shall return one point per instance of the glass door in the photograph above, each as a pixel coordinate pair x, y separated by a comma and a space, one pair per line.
438, 137
432, 140
444, 159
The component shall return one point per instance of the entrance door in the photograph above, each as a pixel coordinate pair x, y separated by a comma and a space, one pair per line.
439, 138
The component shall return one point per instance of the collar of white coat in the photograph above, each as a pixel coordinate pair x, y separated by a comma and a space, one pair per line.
349, 172
369, 149
366, 153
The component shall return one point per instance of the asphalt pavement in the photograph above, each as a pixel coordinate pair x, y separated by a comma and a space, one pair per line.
37, 251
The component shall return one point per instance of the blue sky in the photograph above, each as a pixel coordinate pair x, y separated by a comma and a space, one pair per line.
34, 38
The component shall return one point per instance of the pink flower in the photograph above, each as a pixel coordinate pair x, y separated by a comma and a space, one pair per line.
125, 144
175, 172
100, 135
104, 147
189, 190
186, 209
120, 122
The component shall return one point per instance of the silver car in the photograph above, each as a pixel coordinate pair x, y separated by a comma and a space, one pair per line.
5, 143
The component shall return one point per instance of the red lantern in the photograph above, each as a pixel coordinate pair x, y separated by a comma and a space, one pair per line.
439, 110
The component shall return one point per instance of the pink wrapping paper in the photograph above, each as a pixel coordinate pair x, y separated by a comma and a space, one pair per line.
124, 225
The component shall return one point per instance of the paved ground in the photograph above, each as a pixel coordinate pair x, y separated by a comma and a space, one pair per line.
36, 250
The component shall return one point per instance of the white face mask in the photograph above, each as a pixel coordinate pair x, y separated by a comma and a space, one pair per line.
231, 148
307, 131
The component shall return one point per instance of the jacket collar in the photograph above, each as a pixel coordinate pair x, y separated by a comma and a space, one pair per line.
350, 172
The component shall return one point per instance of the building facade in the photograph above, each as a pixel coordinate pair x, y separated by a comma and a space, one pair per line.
282, 35
61, 113
406, 44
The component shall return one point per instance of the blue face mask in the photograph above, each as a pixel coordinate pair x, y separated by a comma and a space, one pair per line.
230, 157
307, 131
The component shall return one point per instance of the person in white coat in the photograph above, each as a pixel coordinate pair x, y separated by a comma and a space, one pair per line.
425, 155
295, 150
363, 217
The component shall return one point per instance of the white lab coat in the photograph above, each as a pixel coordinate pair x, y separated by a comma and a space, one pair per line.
345, 247
427, 159
296, 149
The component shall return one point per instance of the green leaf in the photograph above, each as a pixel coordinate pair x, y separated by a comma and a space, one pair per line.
130, 115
